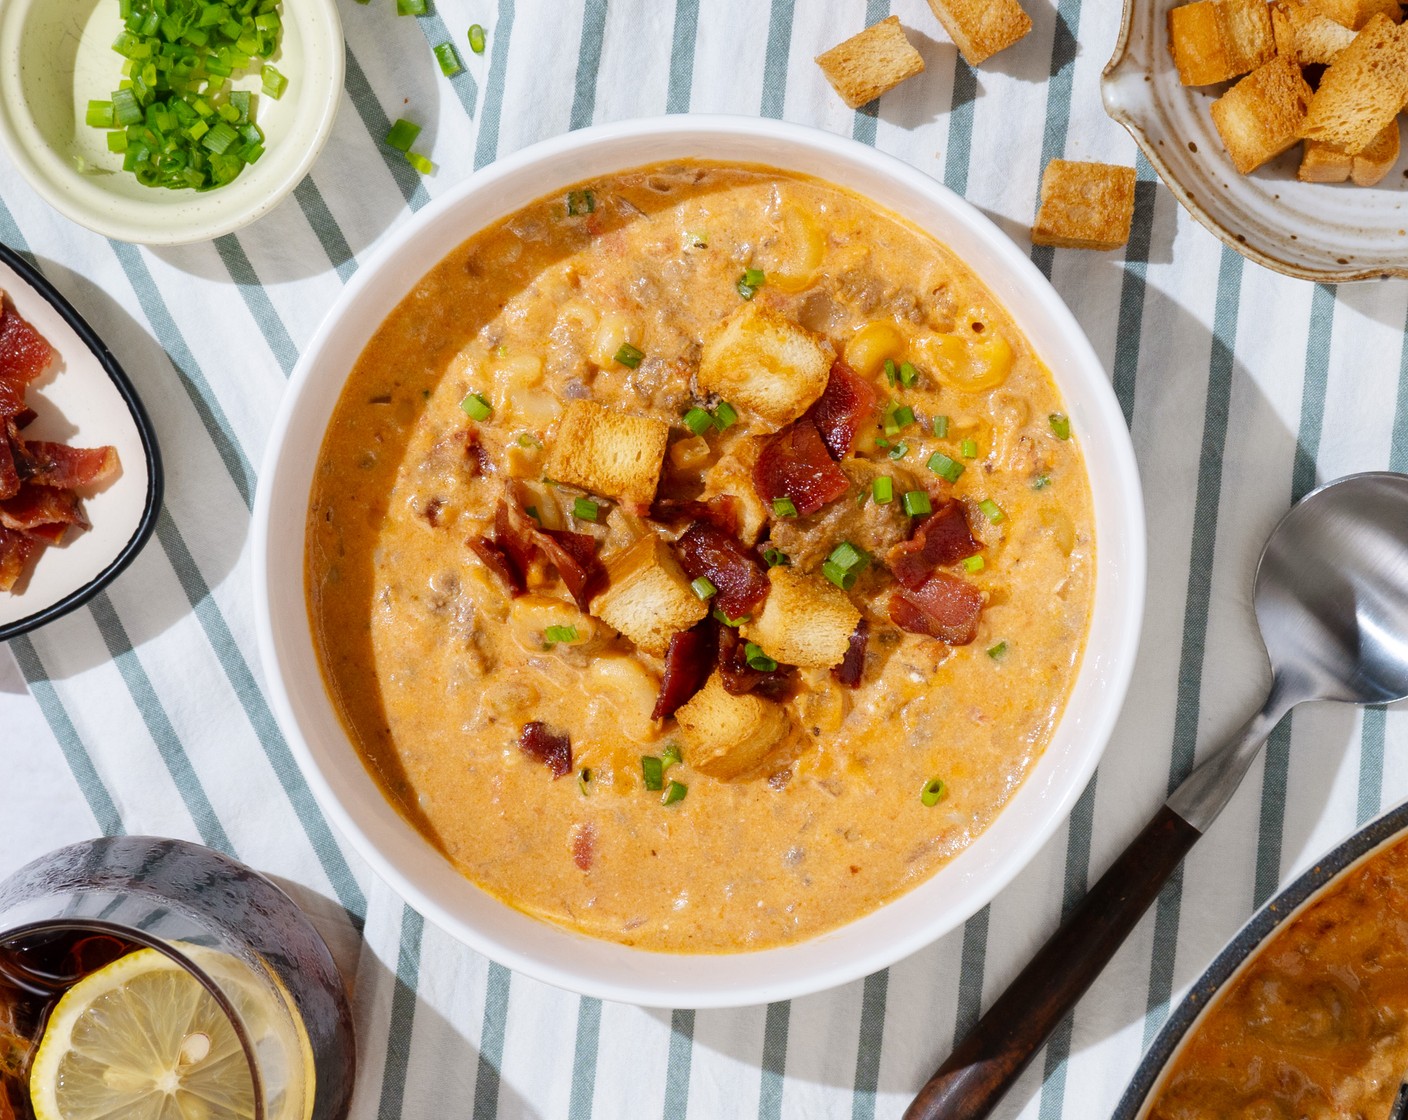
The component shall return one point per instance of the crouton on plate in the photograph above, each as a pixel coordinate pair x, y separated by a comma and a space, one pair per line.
1217, 40
647, 596
608, 452
1377, 158
1085, 205
1261, 116
726, 735
981, 28
1306, 36
805, 620
765, 362
1354, 14
1363, 89
871, 63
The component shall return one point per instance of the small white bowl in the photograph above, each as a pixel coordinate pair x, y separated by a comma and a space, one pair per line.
56, 56
548, 952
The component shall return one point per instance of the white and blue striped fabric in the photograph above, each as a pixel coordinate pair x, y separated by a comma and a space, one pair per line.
144, 712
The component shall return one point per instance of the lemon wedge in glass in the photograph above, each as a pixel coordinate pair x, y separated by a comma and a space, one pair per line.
142, 1039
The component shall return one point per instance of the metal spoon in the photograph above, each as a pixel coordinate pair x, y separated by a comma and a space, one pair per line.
1332, 603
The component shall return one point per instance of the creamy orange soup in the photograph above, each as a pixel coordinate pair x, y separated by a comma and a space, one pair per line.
622, 367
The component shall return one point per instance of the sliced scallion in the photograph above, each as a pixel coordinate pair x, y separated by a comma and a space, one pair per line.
725, 416
933, 792
653, 771
973, 564
629, 356
883, 489
1041, 482
908, 374
848, 557
671, 756
410, 7
839, 576
704, 587
996, 652
584, 777
420, 163
904, 416
698, 421
448, 59
749, 283
916, 503
674, 792
580, 203
757, 659
403, 134
892, 373
992, 511
784, 507
969, 449
941, 427
554, 634
945, 467
775, 558
273, 83
99, 114
899, 451
476, 38
477, 407
584, 509
1060, 425
733, 623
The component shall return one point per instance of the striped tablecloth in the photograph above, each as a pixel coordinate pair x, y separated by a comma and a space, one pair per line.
145, 712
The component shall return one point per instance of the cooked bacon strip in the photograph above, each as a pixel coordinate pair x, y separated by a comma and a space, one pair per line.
852, 665
553, 751
514, 533
497, 561
24, 355
9, 470
687, 665
517, 541
56, 464
842, 410
706, 550
945, 607
35, 506
795, 464
15, 552
721, 510
574, 557
941, 538
739, 677
24, 418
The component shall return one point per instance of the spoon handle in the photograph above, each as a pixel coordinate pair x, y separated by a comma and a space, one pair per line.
1004, 1041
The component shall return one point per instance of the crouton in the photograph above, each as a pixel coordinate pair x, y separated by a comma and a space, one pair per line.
726, 735
765, 362
1362, 90
805, 620
608, 452
647, 596
1305, 36
1377, 158
1084, 205
871, 63
1217, 40
981, 28
732, 476
1261, 116
1323, 163
1354, 14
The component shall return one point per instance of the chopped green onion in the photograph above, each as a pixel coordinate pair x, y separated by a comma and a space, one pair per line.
908, 374
527, 439
448, 59
973, 564
125, 109
584, 509
476, 38
749, 283
969, 449
1041, 482
991, 510
554, 634
775, 558
996, 652
916, 503
933, 792
477, 407
402, 135
584, 776
904, 416
882, 443
273, 83
671, 756
653, 771
839, 576
757, 659
891, 372
99, 114
420, 163
410, 7
784, 507
1060, 425
675, 792
941, 427
580, 202
848, 557
899, 451
698, 421
725, 416
629, 356
117, 141
945, 467
704, 587
734, 623
883, 488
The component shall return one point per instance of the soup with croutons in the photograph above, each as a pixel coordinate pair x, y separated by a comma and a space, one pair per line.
700, 557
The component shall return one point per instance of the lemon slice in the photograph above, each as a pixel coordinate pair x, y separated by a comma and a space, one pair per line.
142, 1039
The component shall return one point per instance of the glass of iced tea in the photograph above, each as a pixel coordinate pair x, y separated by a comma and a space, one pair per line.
154, 979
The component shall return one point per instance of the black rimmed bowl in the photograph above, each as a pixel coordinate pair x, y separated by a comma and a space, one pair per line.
84, 400
1149, 1078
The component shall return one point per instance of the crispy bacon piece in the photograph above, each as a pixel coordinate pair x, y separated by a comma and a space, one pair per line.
739, 677
841, 411
706, 550
852, 665
721, 511
9, 470
687, 665
15, 552
497, 561
514, 534
944, 607
553, 751
24, 355
516, 542
574, 557
795, 464
36, 506
56, 464
941, 538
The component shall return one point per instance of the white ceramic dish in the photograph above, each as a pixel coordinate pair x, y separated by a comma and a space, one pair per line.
56, 56
85, 400
600, 968
1315, 231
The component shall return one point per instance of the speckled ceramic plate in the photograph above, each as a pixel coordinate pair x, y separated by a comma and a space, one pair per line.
1315, 231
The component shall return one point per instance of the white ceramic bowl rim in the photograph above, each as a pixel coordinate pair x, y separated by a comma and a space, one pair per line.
603, 969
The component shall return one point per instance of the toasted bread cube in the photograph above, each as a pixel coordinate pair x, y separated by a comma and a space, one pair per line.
1305, 36
1084, 205
805, 620
647, 596
981, 28
765, 362
1378, 158
871, 63
732, 476
1363, 89
1217, 40
1261, 116
608, 452
1354, 14
726, 735
1323, 163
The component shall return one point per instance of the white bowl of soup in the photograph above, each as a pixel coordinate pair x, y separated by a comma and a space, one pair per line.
699, 561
